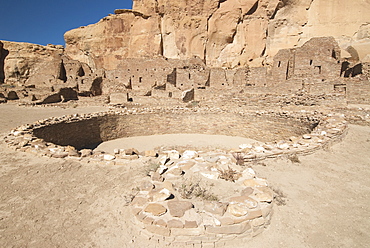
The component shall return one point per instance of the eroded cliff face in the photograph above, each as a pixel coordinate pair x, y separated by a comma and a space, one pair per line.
44, 74
297, 21
19, 60
128, 34
223, 33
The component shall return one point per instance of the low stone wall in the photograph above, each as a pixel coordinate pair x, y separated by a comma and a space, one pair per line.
89, 130
201, 199
60, 136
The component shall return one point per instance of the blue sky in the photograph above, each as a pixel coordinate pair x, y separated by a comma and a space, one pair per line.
46, 21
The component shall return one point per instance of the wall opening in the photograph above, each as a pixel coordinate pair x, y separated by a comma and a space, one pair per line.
62, 75
344, 67
171, 78
81, 72
357, 69
287, 71
96, 87
333, 54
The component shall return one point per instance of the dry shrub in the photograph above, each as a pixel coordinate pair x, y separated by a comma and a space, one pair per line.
279, 197
239, 158
150, 167
188, 191
294, 158
229, 174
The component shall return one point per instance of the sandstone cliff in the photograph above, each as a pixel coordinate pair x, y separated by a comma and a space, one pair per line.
44, 74
162, 48
300, 20
128, 34
21, 60
227, 33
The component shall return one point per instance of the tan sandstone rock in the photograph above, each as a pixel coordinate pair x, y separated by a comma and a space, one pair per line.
129, 34
155, 209
22, 60
178, 208
241, 205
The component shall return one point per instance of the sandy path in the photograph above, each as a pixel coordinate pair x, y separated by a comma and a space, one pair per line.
48, 202
169, 141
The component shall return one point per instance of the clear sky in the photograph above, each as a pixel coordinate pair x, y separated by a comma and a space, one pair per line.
45, 21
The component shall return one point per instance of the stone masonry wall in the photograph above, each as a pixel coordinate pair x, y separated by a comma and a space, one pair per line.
88, 133
329, 128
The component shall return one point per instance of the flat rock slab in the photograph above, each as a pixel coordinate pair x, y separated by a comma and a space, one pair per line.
155, 209
178, 208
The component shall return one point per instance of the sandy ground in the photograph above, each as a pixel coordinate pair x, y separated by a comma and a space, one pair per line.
172, 141
57, 203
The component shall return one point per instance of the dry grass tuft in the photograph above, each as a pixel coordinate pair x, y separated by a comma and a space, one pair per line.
229, 174
294, 158
280, 197
188, 191
239, 158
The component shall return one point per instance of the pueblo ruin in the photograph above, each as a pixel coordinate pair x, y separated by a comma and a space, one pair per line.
193, 51
280, 72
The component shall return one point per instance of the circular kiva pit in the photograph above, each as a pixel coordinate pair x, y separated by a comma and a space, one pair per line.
188, 197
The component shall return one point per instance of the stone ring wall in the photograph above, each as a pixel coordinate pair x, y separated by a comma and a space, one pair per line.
66, 136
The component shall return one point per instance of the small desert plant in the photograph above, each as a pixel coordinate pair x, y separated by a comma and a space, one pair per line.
150, 167
128, 198
229, 174
239, 158
188, 191
279, 197
294, 158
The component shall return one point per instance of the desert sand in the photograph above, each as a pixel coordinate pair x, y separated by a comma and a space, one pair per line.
172, 141
46, 202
